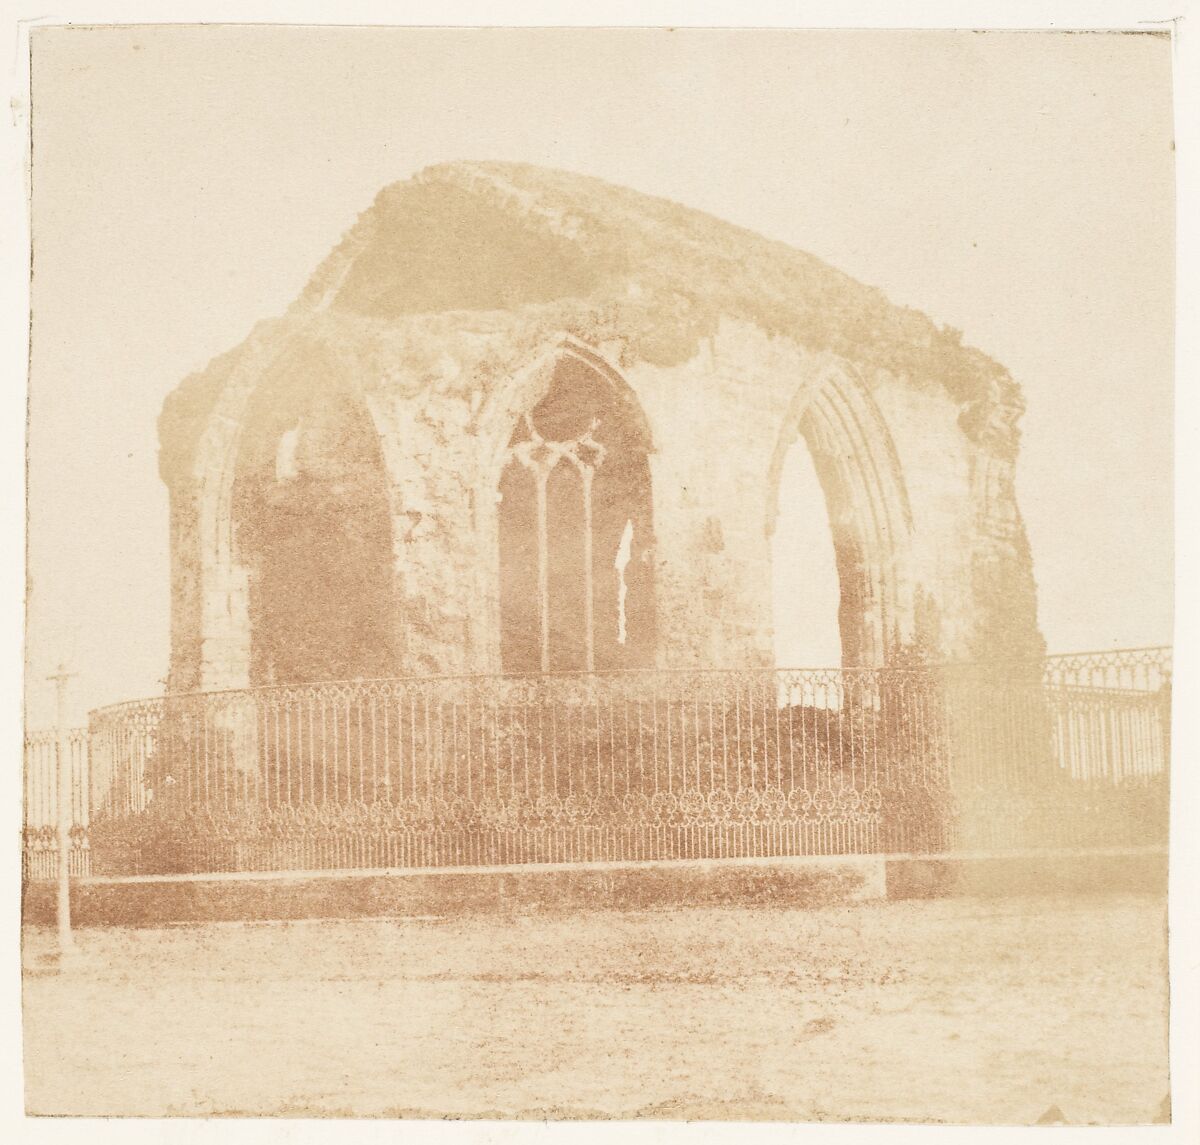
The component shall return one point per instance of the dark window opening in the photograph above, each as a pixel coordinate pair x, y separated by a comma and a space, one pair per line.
314, 528
576, 541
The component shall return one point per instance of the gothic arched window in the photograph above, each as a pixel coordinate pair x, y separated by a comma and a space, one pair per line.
576, 540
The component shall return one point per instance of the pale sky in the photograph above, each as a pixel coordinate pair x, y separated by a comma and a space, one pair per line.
187, 181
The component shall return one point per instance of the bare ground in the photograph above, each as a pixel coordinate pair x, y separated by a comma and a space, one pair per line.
982, 1011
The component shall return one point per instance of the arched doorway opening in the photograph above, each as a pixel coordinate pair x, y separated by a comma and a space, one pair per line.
838, 519
576, 529
806, 590
313, 529
839, 523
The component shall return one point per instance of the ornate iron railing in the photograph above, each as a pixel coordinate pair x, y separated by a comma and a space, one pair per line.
39, 854
1072, 751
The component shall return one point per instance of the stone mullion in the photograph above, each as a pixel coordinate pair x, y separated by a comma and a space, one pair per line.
586, 473
540, 457
542, 475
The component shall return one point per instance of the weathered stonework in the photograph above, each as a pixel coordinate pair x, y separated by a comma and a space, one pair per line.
444, 313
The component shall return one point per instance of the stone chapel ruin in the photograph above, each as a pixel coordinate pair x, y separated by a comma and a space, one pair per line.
471, 565
525, 421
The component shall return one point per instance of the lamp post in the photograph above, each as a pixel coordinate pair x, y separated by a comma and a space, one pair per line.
66, 941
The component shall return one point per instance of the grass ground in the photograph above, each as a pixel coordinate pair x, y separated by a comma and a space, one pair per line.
983, 1011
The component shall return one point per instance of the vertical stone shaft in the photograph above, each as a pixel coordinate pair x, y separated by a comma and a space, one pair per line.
589, 621
543, 556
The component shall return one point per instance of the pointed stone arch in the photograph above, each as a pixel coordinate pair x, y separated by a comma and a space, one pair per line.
573, 489
868, 508
267, 388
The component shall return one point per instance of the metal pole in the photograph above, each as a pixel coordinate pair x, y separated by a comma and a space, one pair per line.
66, 941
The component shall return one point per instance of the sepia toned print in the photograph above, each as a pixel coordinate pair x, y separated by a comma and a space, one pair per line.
606, 678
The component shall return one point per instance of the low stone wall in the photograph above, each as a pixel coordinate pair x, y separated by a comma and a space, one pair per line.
784, 883
1142, 870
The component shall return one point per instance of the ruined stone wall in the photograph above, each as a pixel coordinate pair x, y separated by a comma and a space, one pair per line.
718, 422
732, 346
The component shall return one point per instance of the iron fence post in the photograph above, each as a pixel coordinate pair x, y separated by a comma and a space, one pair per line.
66, 940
